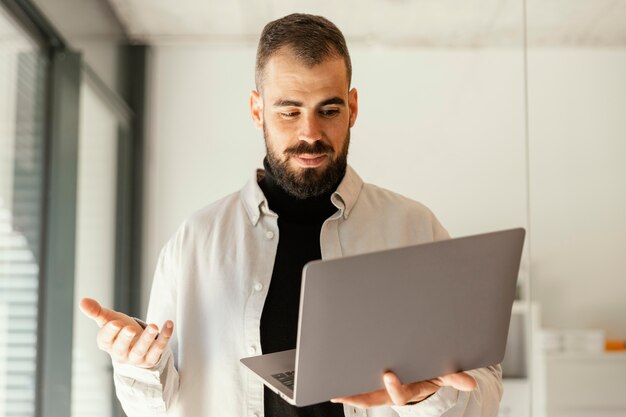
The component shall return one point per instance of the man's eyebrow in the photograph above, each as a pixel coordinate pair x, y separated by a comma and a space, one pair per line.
335, 100
293, 103
287, 103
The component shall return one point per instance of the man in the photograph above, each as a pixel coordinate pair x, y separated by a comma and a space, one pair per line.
230, 277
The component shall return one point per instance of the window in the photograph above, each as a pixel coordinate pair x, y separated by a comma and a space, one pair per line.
95, 250
22, 81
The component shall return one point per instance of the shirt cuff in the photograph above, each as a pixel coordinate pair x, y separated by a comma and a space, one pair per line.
142, 323
441, 401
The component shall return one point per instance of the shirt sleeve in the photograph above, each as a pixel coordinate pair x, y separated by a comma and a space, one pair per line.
484, 401
439, 232
147, 392
153, 391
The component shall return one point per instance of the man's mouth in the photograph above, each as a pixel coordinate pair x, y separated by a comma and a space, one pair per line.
308, 160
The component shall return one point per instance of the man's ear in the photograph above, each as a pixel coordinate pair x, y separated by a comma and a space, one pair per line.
353, 105
256, 108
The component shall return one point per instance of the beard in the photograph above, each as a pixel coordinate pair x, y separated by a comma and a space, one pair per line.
308, 182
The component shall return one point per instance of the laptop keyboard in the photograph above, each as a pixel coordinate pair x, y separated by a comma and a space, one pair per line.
286, 378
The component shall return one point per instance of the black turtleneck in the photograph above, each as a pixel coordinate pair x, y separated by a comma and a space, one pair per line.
299, 225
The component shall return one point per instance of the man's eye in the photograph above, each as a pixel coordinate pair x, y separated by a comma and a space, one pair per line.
290, 114
329, 112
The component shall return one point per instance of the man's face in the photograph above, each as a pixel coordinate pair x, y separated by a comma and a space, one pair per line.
306, 115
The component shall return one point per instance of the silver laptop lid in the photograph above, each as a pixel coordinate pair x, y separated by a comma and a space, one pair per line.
421, 311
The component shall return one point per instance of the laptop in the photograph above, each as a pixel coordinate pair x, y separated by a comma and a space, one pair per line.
420, 311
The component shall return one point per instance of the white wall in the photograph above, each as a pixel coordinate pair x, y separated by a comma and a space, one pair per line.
201, 144
578, 187
445, 127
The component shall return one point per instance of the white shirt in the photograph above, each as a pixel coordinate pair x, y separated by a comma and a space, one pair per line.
212, 278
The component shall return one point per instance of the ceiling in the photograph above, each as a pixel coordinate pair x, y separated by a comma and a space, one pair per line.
419, 23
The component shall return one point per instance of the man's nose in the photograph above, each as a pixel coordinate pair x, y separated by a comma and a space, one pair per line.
310, 129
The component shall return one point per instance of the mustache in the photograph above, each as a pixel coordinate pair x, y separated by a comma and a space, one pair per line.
318, 147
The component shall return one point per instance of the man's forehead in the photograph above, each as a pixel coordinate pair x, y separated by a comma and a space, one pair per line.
287, 77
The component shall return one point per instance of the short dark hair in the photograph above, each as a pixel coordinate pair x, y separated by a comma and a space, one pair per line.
312, 39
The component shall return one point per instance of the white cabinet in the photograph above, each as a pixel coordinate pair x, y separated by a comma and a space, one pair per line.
523, 361
515, 399
590, 384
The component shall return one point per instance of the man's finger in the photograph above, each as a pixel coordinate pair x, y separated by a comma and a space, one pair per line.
121, 345
144, 342
402, 394
397, 392
95, 311
107, 334
367, 400
154, 353
461, 381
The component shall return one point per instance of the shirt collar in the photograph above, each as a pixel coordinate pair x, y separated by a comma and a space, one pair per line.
344, 198
348, 192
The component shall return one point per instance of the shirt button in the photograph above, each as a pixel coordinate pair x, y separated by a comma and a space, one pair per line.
254, 415
252, 350
258, 286
269, 235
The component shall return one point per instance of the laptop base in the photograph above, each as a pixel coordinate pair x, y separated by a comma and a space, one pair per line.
265, 366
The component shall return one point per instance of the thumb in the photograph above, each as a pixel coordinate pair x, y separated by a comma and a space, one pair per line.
461, 381
92, 309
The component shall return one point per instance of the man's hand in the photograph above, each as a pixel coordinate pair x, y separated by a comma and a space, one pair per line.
396, 393
124, 339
